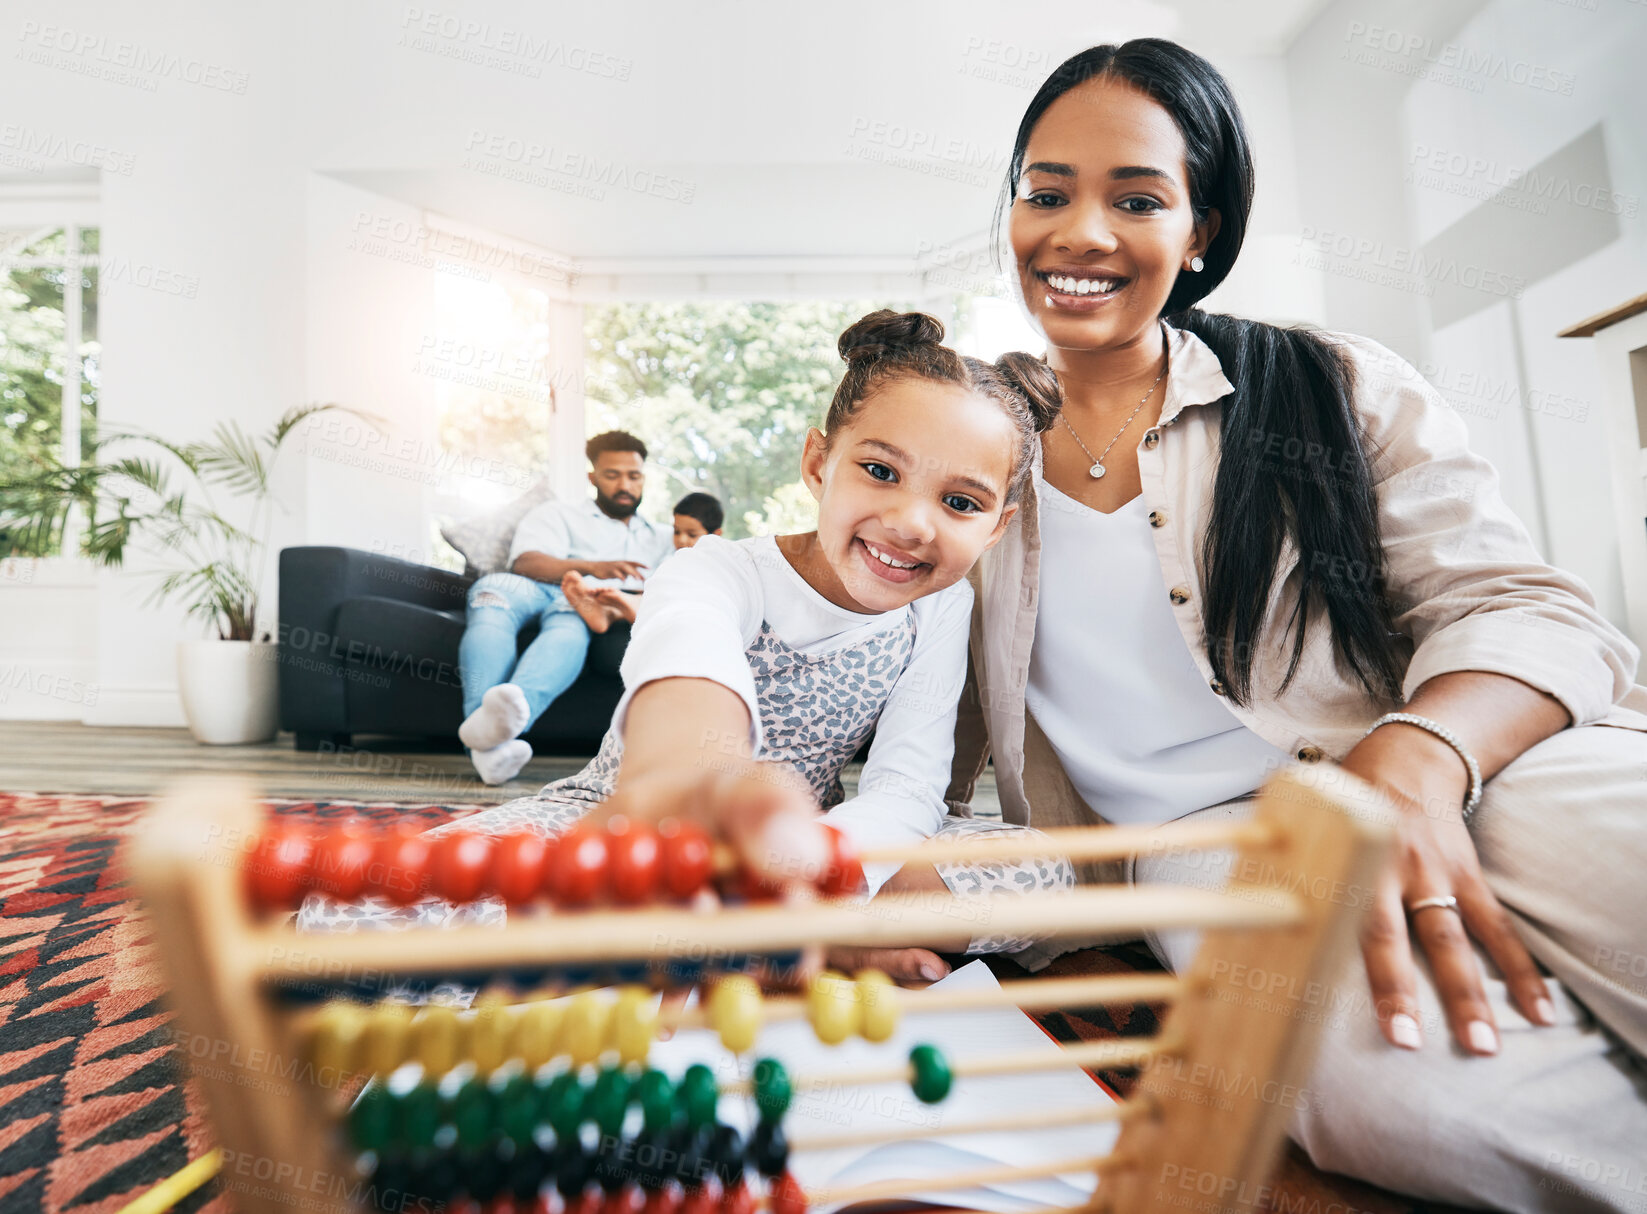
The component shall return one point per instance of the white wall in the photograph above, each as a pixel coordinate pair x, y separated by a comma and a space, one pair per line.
1410, 153
213, 211
366, 485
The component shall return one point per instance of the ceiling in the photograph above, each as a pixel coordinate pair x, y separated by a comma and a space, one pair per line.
879, 130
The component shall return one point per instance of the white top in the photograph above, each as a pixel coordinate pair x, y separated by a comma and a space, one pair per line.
582, 531
705, 608
1141, 735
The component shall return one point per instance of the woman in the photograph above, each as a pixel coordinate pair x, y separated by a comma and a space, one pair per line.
1247, 545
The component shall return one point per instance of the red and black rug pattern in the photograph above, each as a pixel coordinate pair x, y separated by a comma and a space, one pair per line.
94, 1107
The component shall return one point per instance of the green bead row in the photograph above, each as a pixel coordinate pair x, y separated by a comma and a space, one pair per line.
480, 1110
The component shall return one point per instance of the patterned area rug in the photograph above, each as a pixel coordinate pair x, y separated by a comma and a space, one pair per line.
94, 1108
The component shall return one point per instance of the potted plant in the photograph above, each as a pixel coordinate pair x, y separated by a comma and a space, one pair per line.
125, 494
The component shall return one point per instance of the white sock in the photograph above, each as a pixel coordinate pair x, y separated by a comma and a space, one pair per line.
501, 763
502, 715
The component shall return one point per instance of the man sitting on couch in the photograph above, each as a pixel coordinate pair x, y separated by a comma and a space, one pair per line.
604, 541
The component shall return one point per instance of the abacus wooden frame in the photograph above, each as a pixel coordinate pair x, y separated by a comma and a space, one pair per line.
1304, 869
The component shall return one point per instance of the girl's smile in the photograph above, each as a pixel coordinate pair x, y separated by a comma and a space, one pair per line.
888, 562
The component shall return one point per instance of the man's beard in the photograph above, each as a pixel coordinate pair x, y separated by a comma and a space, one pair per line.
616, 509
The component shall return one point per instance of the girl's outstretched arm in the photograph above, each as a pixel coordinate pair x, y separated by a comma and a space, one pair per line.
674, 765
689, 726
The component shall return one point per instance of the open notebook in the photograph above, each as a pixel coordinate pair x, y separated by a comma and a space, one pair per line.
959, 1035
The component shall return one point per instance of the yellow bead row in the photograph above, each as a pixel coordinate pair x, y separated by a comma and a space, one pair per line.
836, 1006
348, 1037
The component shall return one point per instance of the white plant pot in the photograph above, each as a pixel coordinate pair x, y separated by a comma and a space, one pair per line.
230, 690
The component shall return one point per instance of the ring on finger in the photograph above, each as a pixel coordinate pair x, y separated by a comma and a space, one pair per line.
1440, 901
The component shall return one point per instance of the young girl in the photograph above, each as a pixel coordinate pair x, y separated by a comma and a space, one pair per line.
792, 650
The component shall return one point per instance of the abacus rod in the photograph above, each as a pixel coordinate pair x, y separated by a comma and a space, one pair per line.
1029, 993
1071, 842
1096, 991
885, 1189
891, 920
1028, 1121
1122, 1052
1083, 843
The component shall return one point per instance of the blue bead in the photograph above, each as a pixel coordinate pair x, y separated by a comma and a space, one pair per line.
736, 963
528, 979
684, 973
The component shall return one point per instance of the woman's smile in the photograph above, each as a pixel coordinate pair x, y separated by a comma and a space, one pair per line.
1080, 289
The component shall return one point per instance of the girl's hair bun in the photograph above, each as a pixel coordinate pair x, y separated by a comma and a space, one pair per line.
1036, 382
887, 332
888, 346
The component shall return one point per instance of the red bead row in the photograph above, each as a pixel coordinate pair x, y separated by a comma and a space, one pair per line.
623, 863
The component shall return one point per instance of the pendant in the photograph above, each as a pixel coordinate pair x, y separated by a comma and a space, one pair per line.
1096, 472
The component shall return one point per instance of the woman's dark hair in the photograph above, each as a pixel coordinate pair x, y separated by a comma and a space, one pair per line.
1293, 461
886, 346
705, 507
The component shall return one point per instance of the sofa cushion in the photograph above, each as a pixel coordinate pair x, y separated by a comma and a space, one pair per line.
484, 539
402, 677
404, 640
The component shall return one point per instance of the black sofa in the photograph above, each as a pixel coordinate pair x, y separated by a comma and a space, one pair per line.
368, 644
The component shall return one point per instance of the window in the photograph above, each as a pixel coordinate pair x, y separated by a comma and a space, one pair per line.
722, 393
48, 350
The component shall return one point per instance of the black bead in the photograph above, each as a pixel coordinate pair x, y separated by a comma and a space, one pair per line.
688, 1145
653, 1159
631, 972
725, 1155
391, 1183
434, 1176
769, 1149
482, 1174
683, 972
571, 1165
614, 1163
529, 978
527, 1171
736, 963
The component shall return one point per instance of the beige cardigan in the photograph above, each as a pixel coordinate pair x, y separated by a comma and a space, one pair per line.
1481, 597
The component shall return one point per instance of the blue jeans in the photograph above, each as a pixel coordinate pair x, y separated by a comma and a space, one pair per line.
500, 605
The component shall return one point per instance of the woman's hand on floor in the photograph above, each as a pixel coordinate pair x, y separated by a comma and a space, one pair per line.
1435, 857
905, 966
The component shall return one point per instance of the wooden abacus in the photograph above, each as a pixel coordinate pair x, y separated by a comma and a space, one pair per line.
498, 1113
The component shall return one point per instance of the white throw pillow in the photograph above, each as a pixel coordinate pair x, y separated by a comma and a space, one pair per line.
484, 539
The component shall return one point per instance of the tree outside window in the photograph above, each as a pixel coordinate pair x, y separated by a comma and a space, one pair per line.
722, 394
49, 352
